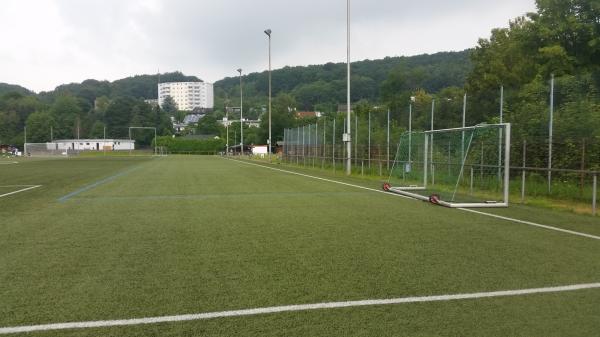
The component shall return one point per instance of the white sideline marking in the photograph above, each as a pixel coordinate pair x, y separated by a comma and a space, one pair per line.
589, 236
292, 308
28, 187
8, 162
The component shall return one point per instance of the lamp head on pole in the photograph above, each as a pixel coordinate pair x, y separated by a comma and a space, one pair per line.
268, 32
240, 71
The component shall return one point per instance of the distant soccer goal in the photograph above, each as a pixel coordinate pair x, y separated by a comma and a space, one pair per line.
463, 167
47, 150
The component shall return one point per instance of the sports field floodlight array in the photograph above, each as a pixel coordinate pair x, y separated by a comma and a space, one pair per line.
462, 167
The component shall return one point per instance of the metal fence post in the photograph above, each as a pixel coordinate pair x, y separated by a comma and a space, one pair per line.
388, 140
595, 194
523, 173
369, 148
471, 186
355, 139
333, 146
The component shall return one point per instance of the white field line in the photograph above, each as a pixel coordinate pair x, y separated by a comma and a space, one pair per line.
29, 187
8, 162
292, 308
589, 236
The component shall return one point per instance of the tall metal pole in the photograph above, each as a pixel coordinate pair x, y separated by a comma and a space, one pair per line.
268, 32
431, 140
25, 141
388, 139
355, 139
51, 134
104, 143
227, 130
501, 131
550, 134
409, 134
241, 114
464, 124
333, 144
369, 148
348, 99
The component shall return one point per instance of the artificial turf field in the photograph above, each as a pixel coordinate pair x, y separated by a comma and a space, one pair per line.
133, 237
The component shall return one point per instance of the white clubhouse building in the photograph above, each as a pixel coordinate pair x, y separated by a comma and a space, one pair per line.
92, 144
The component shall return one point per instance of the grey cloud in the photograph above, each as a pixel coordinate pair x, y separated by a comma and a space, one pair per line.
116, 38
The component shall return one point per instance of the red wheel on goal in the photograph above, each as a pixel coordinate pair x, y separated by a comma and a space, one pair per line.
387, 187
434, 199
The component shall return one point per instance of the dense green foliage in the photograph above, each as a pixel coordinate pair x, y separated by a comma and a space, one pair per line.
84, 110
197, 146
6, 88
323, 87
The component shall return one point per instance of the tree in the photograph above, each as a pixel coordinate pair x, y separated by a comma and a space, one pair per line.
209, 126
169, 106
118, 116
38, 127
282, 117
67, 115
97, 130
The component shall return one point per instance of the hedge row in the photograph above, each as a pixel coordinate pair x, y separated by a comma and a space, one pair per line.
180, 145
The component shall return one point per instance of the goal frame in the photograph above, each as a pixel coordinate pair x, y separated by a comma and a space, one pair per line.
408, 191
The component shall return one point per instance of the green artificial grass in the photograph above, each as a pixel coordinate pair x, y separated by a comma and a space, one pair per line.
120, 237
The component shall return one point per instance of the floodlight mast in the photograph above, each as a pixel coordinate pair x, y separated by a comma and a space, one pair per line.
241, 114
348, 98
268, 32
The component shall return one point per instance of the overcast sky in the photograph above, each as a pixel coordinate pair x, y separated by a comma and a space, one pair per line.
45, 43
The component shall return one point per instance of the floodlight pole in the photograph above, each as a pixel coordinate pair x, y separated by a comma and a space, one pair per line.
348, 98
241, 114
268, 32
25, 141
104, 142
51, 134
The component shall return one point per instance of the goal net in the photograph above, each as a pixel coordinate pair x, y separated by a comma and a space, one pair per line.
46, 150
463, 167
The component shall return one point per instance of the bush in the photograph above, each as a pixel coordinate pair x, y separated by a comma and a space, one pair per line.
180, 145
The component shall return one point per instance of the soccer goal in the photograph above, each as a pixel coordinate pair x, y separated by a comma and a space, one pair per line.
47, 150
458, 168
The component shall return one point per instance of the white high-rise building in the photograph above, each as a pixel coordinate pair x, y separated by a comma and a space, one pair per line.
187, 95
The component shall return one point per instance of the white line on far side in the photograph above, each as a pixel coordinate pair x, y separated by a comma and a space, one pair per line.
529, 223
292, 308
30, 187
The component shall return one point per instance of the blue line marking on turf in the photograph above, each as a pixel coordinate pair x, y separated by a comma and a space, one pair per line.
94, 185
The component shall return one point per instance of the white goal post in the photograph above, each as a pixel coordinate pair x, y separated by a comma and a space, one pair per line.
47, 150
458, 168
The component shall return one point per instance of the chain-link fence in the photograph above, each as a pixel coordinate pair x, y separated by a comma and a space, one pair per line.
374, 147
